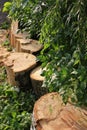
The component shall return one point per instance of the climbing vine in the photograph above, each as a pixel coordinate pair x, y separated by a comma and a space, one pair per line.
64, 34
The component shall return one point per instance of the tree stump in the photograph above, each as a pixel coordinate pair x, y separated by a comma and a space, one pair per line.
28, 45
18, 44
37, 81
18, 66
14, 28
51, 114
15, 35
19, 36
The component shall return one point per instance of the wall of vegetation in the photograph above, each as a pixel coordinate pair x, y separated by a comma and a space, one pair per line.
61, 25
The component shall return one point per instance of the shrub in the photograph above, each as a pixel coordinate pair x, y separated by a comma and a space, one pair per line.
64, 34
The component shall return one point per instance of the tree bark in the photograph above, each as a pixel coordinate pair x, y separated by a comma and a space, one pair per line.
18, 66
37, 81
50, 113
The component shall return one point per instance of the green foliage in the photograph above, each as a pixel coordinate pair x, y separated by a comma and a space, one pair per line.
30, 14
64, 34
6, 44
7, 6
15, 106
2, 75
5, 25
62, 27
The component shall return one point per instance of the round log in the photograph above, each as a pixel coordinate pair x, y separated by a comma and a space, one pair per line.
18, 66
37, 81
13, 29
15, 35
51, 114
14, 25
19, 42
28, 45
33, 46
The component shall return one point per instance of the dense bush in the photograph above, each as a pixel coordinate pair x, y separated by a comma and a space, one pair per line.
15, 106
30, 14
62, 27
64, 34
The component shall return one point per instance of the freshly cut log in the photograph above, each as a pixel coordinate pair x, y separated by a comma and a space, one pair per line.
14, 25
33, 47
28, 45
18, 66
37, 81
21, 41
13, 29
20, 36
51, 114
16, 35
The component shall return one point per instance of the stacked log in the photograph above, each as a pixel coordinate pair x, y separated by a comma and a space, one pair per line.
19, 36
18, 66
15, 36
51, 114
28, 46
37, 81
13, 29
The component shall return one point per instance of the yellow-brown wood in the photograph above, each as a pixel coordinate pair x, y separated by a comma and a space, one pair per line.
37, 81
13, 29
18, 63
28, 45
51, 114
19, 36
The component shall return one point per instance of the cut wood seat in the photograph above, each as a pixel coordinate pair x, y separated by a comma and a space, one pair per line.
37, 81
18, 66
15, 35
28, 45
13, 29
51, 114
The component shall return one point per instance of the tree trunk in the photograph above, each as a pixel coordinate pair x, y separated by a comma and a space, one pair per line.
13, 29
51, 114
18, 66
28, 45
37, 81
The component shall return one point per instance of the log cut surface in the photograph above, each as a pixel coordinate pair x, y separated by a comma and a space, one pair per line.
30, 45
15, 35
20, 62
37, 81
51, 114
36, 74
